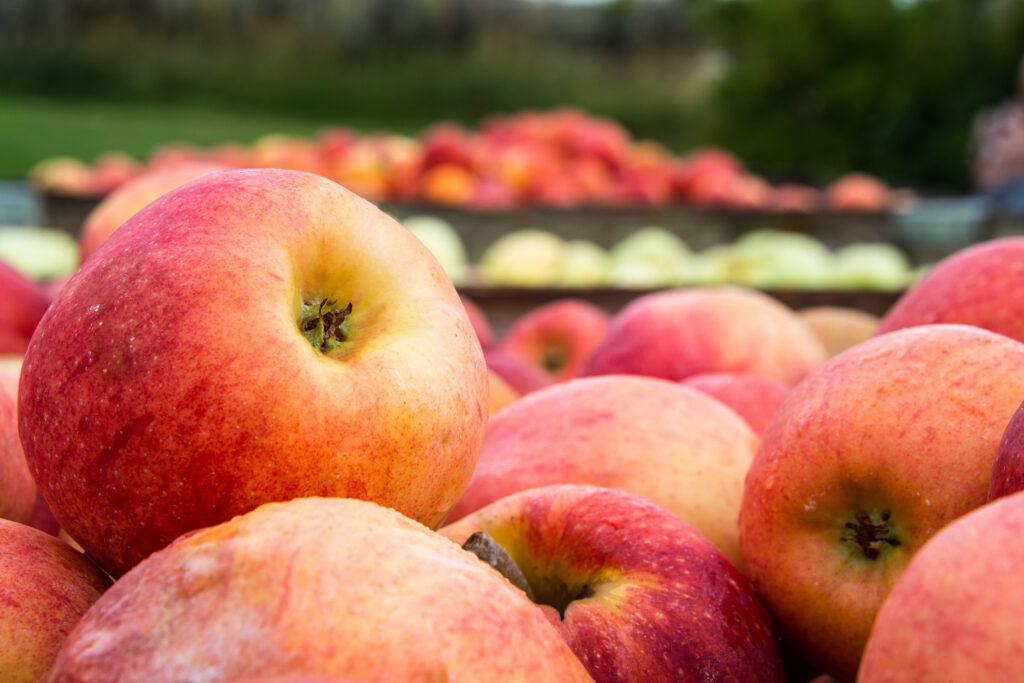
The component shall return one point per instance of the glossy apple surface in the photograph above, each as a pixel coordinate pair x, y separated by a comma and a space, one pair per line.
868, 458
636, 592
200, 363
318, 587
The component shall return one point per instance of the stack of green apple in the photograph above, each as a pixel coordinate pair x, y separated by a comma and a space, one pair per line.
261, 411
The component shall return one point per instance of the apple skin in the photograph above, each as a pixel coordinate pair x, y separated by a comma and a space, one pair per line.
839, 327
1008, 470
676, 333
558, 337
318, 587
954, 615
481, 323
169, 387
974, 286
501, 393
17, 489
658, 439
45, 588
126, 200
523, 376
754, 398
903, 427
665, 603
858, 192
22, 304
10, 372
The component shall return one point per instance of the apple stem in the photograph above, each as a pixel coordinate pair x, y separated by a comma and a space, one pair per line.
490, 551
323, 328
871, 533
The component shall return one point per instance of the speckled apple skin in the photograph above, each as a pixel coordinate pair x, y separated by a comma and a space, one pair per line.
318, 587
571, 327
1008, 471
975, 286
45, 588
169, 386
955, 614
681, 332
655, 438
753, 397
908, 422
17, 489
666, 604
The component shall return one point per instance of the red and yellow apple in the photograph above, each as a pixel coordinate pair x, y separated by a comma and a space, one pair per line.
839, 327
45, 588
253, 336
754, 398
669, 443
636, 592
22, 304
17, 489
520, 374
1008, 470
558, 337
315, 587
868, 458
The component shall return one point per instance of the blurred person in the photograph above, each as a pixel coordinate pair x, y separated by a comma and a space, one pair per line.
997, 146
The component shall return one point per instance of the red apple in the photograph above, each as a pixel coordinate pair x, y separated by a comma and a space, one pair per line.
974, 286
45, 588
669, 443
867, 458
794, 197
754, 398
22, 304
558, 337
522, 375
839, 327
858, 192
203, 363
315, 587
10, 372
17, 489
681, 332
1008, 471
501, 392
636, 592
955, 613
480, 322
126, 201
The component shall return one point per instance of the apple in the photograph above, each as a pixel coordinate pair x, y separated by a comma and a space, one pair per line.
22, 304
523, 258
1008, 470
867, 458
669, 443
872, 265
255, 335
522, 375
125, 201
839, 327
501, 392
558, 337
481, 324
45, 588
10, 372
317, 587
781, 259
754, 398
17, 489
681, 332
636, 592
974, 286
794, 197
649, 257
858, 192
63, 175
954, 614
584, 264
443, 242
39, 253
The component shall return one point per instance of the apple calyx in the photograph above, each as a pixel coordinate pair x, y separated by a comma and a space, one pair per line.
490, 551
323, 328
553, 360
871, 533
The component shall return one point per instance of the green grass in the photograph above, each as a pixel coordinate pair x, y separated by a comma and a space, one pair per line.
33, 128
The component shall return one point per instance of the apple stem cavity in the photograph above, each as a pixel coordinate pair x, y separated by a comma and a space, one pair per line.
490, 551
323, 328
871, 533
553, 360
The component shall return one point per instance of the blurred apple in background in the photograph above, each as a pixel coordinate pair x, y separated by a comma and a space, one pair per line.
315, 586
522, 375
955, 613
125, 202
839, 327
501, 392
17, 488
443, 242
872, 265
64, 175
45, 588
480, 322
523, 258
636, 592
584, 264
754, 398
558, 337
650, 257
671, 444
39, 253
978, 285
190, 370
795, 197
10, 372
858, 192
781, 259
22, 304
866, 459
681, 332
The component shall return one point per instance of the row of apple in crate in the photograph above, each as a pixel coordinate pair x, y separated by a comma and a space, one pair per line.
655, 257
557, 158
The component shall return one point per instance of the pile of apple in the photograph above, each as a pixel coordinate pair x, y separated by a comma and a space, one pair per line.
288, 451
558, 158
